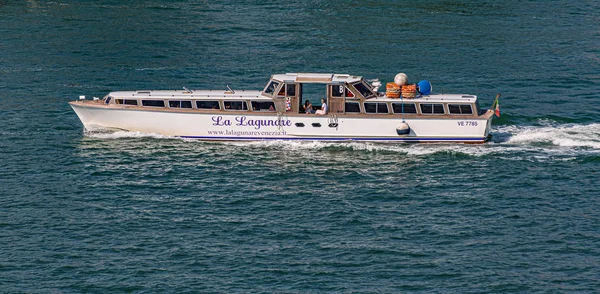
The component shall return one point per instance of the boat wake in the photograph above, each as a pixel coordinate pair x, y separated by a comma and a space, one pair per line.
107, 133
567, 135
548, 139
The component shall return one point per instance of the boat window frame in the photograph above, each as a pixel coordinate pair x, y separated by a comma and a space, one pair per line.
126, 102
180, 104
405, 104
245, 103
346, 94
280, 88
144, 101
272, 92
219, 107
287, 89
459, 108
377, 103
252, 102
366, 86
352, 102
432, 108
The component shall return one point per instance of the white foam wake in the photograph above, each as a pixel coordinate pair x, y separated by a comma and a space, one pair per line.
104, 133
126, 134
405, 148
549, 139
554, 140
565, 135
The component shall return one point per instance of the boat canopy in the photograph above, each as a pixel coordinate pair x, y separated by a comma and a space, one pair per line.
316, 78
356, 84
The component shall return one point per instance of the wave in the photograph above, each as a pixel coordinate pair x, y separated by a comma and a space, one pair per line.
107, 133
561, 135
547, 139
154, 68
402, 148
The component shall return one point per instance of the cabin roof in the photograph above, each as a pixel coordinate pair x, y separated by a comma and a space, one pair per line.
183, 94
447, 98
251, 94
318, 78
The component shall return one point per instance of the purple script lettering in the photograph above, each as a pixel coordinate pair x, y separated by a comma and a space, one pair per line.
258, 123
219, 121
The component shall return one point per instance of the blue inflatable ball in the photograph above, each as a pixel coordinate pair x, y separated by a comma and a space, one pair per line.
424, 87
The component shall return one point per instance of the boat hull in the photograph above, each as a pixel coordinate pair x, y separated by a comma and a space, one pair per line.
224, 125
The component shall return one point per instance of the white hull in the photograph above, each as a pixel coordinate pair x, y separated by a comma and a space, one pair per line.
271, 126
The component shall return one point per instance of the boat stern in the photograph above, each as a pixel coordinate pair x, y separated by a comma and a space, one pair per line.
489, 116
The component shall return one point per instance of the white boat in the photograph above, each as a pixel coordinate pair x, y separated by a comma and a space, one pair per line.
353, 110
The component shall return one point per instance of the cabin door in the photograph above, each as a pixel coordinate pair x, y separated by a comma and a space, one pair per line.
336, 105
336, 98
286, 99
292, 93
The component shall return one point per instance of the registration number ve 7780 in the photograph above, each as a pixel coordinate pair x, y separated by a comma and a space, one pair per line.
467, 123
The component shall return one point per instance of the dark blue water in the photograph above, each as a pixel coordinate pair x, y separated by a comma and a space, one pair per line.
132, 212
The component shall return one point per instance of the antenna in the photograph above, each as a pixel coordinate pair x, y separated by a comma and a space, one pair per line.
187, 90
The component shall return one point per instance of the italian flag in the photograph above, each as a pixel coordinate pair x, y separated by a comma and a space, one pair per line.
496, 105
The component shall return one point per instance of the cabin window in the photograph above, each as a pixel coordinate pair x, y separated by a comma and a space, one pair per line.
291, 90
153, 103
337, 90
107, 100
352, 107
180, 104
363, 89
376, 107
270, 89
341, 91
126, 101
263, 106
207, 104
235, 105
408, 108
460, 109
287, 90
427, 108
281, 92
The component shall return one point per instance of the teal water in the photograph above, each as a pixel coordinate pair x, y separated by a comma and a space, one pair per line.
132, 212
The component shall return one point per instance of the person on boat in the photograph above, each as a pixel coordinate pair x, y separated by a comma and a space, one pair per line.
308, 108
323, 110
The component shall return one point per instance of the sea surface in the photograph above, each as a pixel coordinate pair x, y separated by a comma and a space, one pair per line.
105, 212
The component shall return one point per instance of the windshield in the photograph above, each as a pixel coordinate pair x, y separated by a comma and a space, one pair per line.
270, 89
363, 89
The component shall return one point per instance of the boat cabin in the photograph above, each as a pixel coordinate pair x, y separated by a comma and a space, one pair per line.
290, 89
346, 94
289, 93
